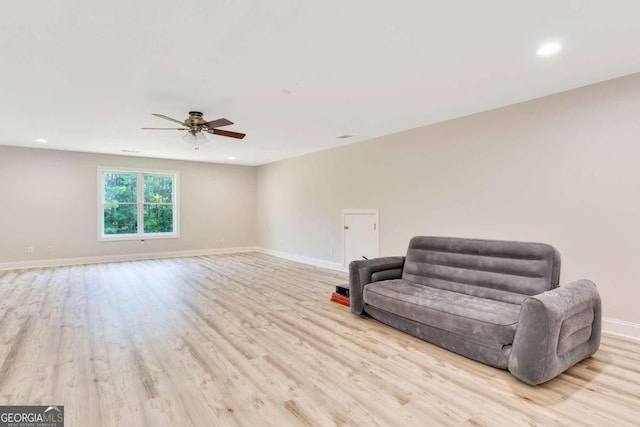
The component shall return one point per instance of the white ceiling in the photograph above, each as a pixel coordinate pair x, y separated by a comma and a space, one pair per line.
294, 75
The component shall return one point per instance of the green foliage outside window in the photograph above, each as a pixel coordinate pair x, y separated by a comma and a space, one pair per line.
120, 219
158, 218
158, 204
120, 209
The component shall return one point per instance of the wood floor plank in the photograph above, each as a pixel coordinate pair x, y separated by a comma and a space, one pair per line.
252, 340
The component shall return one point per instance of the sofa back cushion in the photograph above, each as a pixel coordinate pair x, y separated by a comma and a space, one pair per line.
494, 269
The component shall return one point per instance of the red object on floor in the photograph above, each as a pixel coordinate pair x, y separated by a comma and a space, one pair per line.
340, 299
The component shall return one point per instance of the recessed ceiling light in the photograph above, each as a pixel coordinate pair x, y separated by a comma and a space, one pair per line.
231, 158
130, 151
42, 140
549, 49
344, 136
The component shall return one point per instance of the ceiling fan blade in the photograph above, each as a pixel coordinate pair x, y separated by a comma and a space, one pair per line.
165, 128
219, 123
162, 116
228, 133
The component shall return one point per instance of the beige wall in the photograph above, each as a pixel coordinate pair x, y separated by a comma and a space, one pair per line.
49, 198
561, 169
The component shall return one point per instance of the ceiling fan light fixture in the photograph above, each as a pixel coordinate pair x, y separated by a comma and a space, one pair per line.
196, 139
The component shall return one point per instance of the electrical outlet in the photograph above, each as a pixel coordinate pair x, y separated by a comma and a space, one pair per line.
50, 249
331, 250
29, 249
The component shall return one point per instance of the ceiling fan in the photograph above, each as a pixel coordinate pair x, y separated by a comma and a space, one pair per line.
196, 126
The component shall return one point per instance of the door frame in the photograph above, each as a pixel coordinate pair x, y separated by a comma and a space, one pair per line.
343, 241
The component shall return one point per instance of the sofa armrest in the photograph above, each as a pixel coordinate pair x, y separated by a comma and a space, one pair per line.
360, 273
556, 330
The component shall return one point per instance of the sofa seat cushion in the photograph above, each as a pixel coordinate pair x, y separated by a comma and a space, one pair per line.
462, 314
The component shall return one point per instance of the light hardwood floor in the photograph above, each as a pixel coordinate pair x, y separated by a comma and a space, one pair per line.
248, 339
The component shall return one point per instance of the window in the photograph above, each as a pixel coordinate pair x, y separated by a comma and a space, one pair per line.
135, 204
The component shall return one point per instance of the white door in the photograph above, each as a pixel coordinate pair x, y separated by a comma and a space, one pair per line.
360, 232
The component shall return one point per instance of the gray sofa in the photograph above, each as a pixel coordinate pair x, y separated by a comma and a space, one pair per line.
496, 302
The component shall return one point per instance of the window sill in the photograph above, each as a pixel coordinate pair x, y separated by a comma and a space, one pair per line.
130, 237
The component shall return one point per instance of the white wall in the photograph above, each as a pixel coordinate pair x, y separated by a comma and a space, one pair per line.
561, 170
49, 198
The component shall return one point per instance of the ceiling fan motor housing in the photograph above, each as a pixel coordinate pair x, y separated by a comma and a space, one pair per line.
195, 119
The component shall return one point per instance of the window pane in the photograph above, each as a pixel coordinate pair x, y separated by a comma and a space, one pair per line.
158, 189
120, 187
158, 218
120, 219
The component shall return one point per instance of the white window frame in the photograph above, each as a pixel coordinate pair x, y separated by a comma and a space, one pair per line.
140, 203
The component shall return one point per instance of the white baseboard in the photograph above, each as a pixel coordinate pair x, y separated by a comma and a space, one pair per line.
303, 259
621, 328
20, 265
